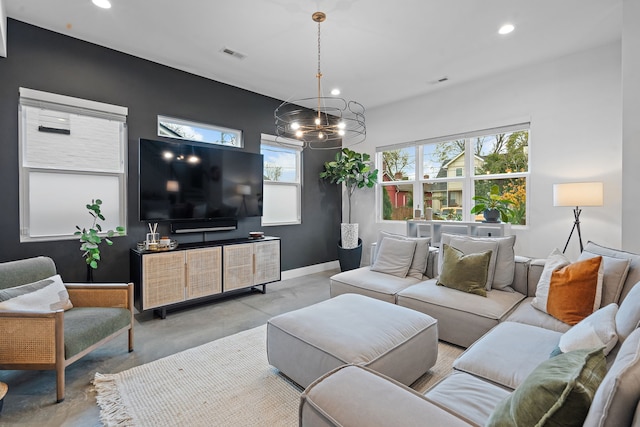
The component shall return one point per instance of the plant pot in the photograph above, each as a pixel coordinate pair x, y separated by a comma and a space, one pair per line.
349, 235
349, 258
491, 215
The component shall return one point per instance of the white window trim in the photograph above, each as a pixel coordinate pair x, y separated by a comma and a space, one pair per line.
30, 99
296, 145
467, 179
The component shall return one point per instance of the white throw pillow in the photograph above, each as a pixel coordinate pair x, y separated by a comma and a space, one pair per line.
555, 261
45, 295
394, 257
595, 331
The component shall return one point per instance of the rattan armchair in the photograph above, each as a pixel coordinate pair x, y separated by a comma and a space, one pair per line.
36, 340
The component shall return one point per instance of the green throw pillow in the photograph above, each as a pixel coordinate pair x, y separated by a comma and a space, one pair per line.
557, 393
467, 273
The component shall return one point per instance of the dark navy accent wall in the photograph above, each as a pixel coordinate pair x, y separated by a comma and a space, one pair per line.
43, 60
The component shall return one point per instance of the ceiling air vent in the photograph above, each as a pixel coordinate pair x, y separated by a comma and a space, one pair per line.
233, 53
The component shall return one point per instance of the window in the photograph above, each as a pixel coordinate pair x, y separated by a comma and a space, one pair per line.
71, 151
453, 169
171, 127
282, 182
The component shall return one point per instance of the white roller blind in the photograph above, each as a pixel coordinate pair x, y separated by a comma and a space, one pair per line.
72, 150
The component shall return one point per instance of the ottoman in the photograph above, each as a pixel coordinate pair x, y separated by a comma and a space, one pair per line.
395, 341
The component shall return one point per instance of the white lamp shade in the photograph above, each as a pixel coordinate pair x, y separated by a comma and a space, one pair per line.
578, 194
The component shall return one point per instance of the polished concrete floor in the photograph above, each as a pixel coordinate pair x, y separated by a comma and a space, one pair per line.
31, 397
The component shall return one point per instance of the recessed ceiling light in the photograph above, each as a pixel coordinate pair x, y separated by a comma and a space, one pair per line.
506, 29
105, 4
335, 91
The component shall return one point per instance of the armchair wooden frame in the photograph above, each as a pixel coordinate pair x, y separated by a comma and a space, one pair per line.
35, 340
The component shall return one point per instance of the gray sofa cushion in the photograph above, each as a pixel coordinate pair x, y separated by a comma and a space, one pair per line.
418, 265
615, 402
508, 353
505, 258
373, 284
21, 272
85, 326
356, 396
307, 343
633, 276
615, 273
525, 313
394, 257
462, 317
468, 396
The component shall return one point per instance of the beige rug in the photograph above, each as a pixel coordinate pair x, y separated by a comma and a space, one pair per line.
227, 382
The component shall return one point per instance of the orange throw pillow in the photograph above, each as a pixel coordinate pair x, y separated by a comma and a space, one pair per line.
575, 291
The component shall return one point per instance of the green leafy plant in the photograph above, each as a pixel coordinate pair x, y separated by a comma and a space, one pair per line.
493, 200
351, 168
90, 238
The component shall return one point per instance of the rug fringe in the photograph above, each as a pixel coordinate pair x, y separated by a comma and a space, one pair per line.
112, 410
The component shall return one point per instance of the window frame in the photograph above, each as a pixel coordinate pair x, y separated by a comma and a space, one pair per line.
296, 146
468, 178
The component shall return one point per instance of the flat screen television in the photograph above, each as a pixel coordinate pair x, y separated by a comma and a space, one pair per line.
181, 181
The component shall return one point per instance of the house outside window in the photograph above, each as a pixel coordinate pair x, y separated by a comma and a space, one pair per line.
451, 171
282, 185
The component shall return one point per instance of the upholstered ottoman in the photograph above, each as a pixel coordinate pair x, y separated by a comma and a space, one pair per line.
395, 341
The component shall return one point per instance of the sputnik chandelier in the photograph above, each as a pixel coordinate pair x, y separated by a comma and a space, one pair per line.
319, 121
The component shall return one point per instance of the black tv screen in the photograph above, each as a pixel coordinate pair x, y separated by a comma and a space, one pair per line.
196, 181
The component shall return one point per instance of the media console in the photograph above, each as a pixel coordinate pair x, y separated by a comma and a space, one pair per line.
197, 271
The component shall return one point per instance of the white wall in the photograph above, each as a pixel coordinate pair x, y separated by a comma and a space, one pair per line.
631, 125
574, 105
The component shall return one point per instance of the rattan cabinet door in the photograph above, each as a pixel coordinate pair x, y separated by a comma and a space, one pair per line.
163, 279
267, 259
238, 266
204, 272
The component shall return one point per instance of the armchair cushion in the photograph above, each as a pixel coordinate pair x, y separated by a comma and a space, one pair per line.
85, 326
44, 295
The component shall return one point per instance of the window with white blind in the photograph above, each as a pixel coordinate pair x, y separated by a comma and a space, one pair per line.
71, 151
282, 181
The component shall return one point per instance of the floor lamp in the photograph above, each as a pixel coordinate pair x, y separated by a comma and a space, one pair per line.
577, 194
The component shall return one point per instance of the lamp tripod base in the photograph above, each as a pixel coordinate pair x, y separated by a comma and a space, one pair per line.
576, 226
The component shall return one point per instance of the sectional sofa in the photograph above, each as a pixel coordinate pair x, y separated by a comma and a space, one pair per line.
522, 366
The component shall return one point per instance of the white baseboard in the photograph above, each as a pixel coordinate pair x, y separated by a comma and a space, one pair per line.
310, 269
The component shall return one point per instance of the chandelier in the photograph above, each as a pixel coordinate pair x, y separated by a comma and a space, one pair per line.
319, 120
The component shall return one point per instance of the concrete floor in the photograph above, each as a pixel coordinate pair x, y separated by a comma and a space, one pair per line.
31, 397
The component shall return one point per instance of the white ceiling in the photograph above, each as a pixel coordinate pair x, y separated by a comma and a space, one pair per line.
376, 51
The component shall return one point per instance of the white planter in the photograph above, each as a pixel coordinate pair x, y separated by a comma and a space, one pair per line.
349, 235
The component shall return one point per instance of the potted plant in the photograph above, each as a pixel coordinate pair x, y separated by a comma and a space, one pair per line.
90, 238
354, 171
492, 205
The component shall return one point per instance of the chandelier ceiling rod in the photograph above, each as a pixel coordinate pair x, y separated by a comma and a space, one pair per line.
331, 120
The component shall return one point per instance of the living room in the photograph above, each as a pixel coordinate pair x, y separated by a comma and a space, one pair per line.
582, 108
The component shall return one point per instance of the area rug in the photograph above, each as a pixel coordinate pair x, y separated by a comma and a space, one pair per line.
227, 382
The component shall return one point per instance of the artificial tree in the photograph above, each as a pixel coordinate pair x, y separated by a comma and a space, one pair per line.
354, 171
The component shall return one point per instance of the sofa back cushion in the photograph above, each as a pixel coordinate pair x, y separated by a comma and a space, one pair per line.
504, 265
21, 272
418, 266
633, 275
394, 257
615, 401
615, 274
